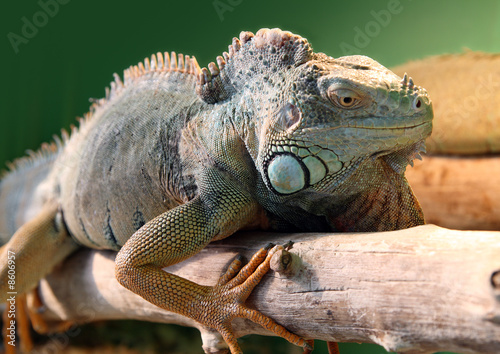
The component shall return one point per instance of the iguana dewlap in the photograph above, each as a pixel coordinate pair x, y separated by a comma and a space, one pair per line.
274, 136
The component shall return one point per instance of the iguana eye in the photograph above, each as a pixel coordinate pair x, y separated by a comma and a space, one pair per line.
343, 98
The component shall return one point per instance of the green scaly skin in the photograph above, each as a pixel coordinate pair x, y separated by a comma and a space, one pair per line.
274, 136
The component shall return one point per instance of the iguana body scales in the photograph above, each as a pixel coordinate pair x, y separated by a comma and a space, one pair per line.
274, 136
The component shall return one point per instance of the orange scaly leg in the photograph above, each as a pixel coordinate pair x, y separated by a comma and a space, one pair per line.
179, 234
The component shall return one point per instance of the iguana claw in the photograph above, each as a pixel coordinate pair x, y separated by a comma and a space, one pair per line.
228, 298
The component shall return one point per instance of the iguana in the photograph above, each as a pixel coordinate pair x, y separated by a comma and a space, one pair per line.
273, 136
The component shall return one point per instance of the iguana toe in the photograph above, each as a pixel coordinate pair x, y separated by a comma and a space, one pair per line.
228, 298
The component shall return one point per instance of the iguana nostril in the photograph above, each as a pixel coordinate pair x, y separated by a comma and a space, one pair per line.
417, 103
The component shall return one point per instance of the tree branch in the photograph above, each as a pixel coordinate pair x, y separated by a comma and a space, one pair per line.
420, 290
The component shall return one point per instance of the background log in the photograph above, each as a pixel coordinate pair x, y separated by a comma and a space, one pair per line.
419, 290
458, 192
465, 98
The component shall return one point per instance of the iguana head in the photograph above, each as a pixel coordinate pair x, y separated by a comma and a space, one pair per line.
309, 120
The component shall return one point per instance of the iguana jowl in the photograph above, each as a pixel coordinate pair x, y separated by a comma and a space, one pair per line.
274, 136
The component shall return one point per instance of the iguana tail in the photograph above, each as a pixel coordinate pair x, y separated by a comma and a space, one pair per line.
20, 194
34, 250
32, 229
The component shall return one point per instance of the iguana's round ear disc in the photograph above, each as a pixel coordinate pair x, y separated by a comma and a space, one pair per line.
286, 174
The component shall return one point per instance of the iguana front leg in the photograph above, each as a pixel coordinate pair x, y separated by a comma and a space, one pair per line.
181, 233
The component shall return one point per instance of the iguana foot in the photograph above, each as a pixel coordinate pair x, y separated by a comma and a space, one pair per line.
333, 347
228, 297
311, 345
36, 308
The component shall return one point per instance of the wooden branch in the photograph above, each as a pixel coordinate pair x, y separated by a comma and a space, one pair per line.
419, 290
458, 192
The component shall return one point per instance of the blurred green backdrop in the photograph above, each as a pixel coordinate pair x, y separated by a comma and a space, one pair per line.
54, 58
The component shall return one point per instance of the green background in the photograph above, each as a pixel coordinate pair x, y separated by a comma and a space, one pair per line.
72, 56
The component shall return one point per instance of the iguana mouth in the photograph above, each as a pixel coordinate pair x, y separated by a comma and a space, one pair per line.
397, 127
370, 124
409, 125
